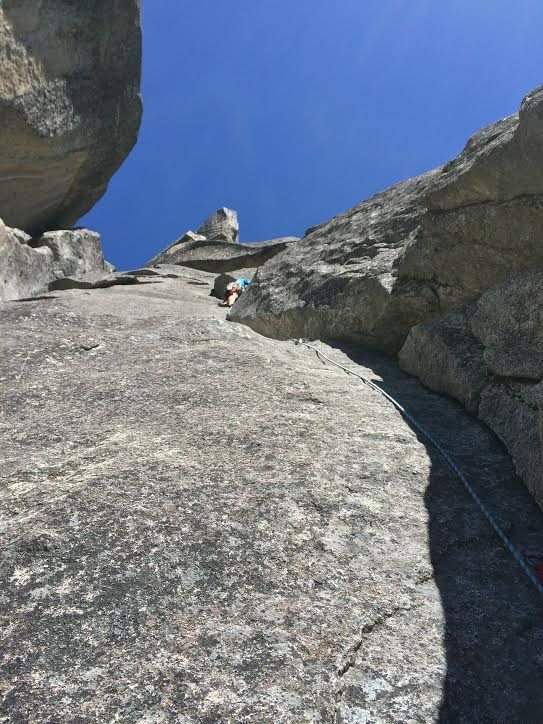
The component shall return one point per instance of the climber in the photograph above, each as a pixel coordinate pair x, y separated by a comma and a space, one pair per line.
233, 291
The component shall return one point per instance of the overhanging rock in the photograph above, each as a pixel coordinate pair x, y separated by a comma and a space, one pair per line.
70, 107
220, 256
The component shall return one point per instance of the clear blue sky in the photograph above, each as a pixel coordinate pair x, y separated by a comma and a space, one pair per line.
291, 111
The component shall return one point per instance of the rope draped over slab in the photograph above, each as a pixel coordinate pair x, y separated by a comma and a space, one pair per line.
507, 542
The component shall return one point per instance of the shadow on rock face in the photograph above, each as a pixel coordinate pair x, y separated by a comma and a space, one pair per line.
493, 634
33, 299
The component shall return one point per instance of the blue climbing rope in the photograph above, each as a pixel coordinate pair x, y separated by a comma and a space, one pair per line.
507, 542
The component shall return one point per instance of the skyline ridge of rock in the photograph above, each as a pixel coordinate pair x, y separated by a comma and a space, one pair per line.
215, 247
222, 225
416, 250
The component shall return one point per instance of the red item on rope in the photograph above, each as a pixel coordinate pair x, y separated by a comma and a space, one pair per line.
538, 568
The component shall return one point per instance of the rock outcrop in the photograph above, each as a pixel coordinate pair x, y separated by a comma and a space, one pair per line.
192, 250
168, 255
74, 252
489, 356
24, 271
408, 255
31, 266
223, 225
198, 524
97, 280
70, 107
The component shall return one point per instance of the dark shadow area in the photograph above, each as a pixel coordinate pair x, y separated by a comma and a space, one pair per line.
33, 299
493, 615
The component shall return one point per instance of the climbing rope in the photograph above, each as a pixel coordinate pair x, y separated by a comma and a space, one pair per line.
507, 542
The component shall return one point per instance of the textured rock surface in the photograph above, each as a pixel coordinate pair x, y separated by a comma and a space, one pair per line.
29, 266
514, 410
24, 271
77, 251
448, 358
101, 280
174, 249
223, 225
490, 357
508, 320
221, 256
419, 249
69, 105
311, 561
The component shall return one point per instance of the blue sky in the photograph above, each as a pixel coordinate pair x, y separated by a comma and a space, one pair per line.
292, 111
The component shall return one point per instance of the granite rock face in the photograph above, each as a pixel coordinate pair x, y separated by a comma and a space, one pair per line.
489, 356
194, 251
70, 107
422, 248
234, 531
176, 248
24, 271
223, 225
31, 266
448, 357
76, 251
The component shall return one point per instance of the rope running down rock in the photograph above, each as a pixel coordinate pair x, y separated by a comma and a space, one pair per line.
507, 542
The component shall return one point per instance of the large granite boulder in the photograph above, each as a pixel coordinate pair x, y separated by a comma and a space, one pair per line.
29, 267
219, 256
411, 253
489, 356
70, 107
223, 225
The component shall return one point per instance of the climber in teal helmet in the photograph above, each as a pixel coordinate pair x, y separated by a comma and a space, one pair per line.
233, 291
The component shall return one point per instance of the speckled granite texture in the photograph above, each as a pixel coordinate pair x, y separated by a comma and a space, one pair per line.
202, 525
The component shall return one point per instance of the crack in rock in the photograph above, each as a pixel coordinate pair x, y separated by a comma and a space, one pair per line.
352, 657
519, 199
